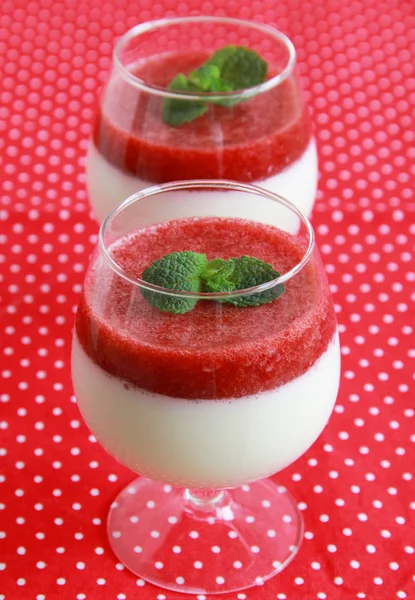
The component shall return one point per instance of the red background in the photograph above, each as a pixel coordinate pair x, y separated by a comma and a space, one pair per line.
355, 485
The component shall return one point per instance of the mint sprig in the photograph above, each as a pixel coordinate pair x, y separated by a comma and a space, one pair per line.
229, 69
192, 272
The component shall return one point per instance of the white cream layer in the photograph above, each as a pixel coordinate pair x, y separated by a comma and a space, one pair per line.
206, 443
108, 186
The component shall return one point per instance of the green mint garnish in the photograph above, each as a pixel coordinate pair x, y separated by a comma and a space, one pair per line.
239, 67
218, 269
207, 78
179, 271
217, 275
229, 69
192, 272
175, 111
249, 272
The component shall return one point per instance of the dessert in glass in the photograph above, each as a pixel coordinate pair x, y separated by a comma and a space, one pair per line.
168, 112
205, 358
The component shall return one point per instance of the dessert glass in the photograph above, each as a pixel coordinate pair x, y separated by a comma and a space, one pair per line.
205, 405
265, 138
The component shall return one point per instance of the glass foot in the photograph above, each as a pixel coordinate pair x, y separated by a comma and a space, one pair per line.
204, 544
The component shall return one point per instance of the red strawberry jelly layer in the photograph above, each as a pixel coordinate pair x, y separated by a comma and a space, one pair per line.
249, 142
217, 350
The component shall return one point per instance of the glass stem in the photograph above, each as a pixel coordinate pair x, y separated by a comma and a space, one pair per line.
209, 505
203, 499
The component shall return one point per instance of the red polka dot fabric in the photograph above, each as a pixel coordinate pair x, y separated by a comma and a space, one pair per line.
355, 486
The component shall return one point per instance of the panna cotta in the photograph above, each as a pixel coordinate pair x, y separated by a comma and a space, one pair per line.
265, 140
219, 396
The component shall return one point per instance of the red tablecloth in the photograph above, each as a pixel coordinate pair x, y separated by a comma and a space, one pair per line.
355, 486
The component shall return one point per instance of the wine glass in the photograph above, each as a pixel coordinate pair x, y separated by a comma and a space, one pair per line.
260, 134
205, 405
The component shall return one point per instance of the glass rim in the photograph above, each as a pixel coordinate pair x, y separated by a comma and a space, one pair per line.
201, 184
239, 94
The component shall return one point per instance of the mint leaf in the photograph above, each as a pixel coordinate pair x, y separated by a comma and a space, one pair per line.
216, 275
229, 69
207, 79
245, 272
240, 68
218, 285
176, 112
218, 268
192, 272
178, 271
249, 272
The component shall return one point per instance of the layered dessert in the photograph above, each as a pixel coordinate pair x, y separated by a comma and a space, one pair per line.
221, 395
265, 140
